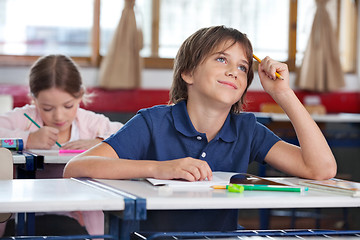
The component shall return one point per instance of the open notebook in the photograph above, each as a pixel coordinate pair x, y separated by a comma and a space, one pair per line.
219, 178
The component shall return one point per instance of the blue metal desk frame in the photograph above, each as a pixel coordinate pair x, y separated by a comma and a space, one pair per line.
119, 225
25, 222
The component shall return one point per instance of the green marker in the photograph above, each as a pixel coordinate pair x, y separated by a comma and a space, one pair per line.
274, 188
240, 188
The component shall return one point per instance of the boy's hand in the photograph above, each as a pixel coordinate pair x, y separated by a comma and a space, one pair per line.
188, 168
269, 81
44, 138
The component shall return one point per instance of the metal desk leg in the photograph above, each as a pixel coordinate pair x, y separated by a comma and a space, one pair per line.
121, 224
118, 227
25, 224
30, 223
20, 224
264, 219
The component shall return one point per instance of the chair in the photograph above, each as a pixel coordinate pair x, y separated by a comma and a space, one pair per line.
6, 172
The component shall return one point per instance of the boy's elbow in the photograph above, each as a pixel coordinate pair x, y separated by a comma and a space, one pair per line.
332, 172
327, 172
332, 169
67, 171
70, 170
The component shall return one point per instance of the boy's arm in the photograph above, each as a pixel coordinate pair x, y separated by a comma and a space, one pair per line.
102, 161
313, 159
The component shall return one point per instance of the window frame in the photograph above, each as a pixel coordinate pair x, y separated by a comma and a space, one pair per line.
154, 62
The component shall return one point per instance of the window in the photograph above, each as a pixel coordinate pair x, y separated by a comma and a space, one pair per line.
39, 27
83, 28
110, 13
305, 16
181, 18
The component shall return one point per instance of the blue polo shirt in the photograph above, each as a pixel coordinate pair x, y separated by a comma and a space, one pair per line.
165, 132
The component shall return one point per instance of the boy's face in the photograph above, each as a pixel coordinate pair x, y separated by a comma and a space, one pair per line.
221, 79
57, 108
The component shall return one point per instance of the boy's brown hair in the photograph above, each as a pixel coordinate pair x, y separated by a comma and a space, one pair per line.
194, 51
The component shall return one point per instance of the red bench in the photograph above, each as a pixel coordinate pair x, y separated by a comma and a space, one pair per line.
130, 101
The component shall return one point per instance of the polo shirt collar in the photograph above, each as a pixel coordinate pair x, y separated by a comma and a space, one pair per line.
228, 132
182, 120
184, 125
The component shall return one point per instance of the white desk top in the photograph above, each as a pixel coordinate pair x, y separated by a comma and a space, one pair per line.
335, 118
50, 156
158, 198
53, 156
18, 158
49, 195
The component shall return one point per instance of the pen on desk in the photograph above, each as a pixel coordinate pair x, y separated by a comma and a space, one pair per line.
37, 125
276, 73
264, 188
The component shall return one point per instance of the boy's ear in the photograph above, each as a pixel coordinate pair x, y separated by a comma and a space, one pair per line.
187, 77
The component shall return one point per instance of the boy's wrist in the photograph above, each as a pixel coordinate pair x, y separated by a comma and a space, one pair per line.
284, 96
150, 168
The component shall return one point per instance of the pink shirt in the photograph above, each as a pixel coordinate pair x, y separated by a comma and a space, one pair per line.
90, 125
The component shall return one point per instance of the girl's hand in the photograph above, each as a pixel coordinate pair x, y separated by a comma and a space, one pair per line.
269, 81
188, 168
44, 138
81, 144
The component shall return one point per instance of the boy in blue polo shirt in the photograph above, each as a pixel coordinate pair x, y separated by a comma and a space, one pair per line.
205, 130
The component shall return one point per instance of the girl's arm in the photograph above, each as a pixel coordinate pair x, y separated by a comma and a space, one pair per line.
102, 161
94, 128
313, 159
14, 124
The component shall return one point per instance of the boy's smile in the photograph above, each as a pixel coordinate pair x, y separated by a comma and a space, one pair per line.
229, 84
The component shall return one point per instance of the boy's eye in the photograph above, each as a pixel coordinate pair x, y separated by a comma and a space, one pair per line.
221, 59
243, 68
47, 109
69, 106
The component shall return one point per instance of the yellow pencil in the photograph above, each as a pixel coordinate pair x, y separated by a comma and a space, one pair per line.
219, 186
276, 73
